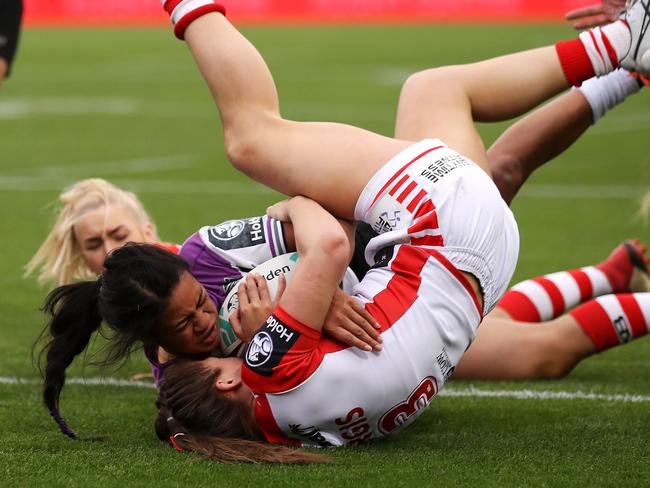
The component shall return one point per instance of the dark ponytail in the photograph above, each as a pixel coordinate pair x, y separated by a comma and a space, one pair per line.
130, 296
74, 318
194, 416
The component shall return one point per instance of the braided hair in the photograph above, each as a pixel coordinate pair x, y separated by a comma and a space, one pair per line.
130, 296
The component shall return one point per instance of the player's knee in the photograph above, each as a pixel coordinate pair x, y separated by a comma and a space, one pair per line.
242, 150
550, 363
423, 85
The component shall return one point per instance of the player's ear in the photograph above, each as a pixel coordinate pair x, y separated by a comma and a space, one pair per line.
224, 384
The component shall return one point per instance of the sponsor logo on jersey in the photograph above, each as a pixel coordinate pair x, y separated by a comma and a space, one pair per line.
310, 433
443, 166
227, 230
383, 257
354, 427
237, 234
386, 221
259, 350
267, 348
445, 364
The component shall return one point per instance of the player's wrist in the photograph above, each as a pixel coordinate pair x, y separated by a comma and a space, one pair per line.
183, 12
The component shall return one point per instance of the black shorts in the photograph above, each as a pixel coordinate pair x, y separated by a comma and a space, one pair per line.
11, 12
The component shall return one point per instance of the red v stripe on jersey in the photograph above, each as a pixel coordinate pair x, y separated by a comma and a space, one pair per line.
398, 185
407, 191
414, 203
390, 304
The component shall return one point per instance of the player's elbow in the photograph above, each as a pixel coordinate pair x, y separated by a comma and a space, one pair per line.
335, 246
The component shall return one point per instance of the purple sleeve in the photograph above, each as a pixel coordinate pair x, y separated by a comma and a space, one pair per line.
211, 270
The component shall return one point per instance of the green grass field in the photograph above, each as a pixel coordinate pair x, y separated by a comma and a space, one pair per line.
129, 106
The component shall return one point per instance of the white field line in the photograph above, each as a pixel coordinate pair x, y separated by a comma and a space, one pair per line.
470, 392
182, 187
22, 108
48, 182
127, 166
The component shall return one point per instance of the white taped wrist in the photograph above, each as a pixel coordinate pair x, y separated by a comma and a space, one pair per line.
606, 92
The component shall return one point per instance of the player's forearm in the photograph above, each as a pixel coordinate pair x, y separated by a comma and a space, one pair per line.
323, 245
541, 136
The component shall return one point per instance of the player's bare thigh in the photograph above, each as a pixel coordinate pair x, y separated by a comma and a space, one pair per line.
327, 162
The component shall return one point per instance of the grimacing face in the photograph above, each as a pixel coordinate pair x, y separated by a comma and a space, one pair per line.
190, 324
105, 228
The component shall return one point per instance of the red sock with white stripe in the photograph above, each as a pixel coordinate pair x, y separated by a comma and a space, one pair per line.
183, 12
614, 319
595, 52
544, 298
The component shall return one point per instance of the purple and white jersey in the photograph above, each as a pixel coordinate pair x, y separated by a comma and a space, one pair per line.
218, 257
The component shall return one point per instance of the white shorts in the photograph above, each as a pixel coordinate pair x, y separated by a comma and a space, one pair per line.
432, 197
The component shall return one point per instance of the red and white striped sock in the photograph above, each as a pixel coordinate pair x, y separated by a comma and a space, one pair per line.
614, 319
183, 12
595, 52
544, 298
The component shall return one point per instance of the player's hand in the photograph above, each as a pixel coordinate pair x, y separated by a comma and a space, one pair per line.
597, 14
350, 323
255, 305
280, 211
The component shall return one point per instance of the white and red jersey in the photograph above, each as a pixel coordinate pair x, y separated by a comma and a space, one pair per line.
436, 214
313, 391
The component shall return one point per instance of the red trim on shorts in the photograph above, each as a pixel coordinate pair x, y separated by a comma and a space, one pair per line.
433, 241
634, 314
428, 222
460, 277
584, 283
268, 425
554, 294
398, 185
414, 203
407, 191
426, 207
400, 171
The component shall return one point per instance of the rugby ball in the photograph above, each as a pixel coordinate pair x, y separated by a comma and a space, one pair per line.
271, 270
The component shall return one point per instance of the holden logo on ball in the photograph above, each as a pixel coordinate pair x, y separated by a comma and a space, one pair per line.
259, 350
228, 230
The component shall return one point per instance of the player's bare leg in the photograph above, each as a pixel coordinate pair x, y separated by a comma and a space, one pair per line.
309, 158
506, 349
330, 163
527, 349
